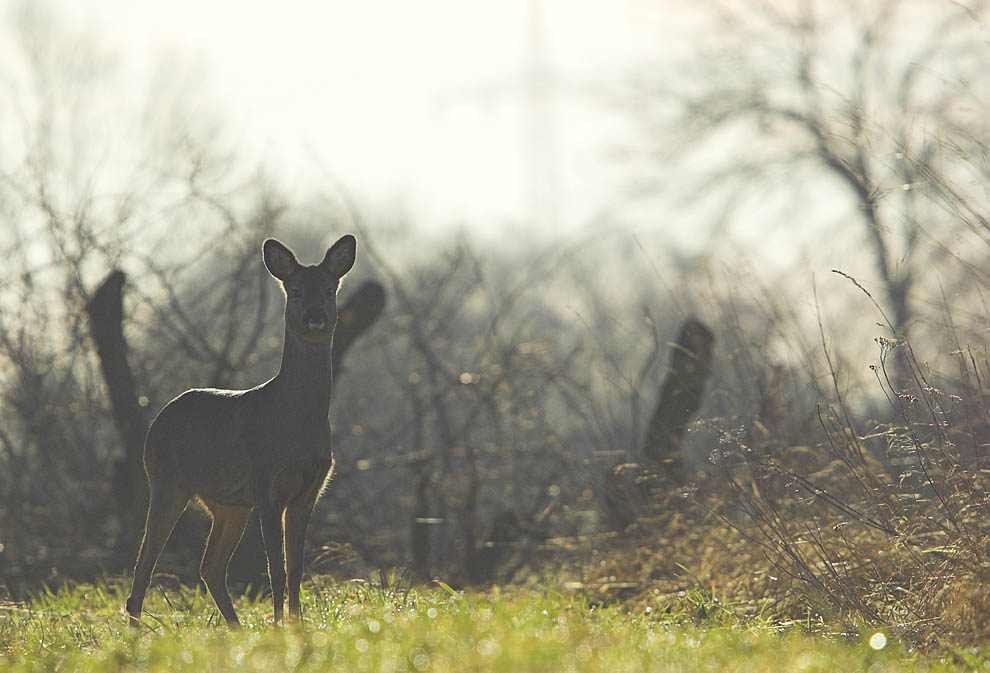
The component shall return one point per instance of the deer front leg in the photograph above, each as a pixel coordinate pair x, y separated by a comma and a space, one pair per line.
271, 531
297, 516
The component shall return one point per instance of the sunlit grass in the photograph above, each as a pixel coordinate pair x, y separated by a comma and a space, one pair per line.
356, 626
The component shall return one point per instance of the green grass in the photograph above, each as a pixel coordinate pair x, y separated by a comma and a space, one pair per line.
356, 626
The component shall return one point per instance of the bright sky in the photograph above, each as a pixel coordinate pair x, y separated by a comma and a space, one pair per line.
420, 103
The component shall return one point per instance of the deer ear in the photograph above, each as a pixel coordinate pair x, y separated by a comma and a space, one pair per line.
279, 260
340, 257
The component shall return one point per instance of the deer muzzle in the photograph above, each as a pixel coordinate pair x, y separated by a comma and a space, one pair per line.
315, 319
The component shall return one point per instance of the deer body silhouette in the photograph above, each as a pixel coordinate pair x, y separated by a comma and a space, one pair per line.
267, 447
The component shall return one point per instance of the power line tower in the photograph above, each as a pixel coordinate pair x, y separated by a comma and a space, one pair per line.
540, 133
535, 90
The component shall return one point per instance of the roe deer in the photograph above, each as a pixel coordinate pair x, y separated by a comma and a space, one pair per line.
267, 447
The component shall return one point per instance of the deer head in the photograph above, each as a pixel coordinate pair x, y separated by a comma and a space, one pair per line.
310, 291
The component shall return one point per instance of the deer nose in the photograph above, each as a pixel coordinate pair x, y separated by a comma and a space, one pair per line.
314, 318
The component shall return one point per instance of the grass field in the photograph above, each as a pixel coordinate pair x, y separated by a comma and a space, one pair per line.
356, 626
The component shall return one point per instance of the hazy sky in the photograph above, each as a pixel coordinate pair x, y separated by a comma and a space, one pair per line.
419, 103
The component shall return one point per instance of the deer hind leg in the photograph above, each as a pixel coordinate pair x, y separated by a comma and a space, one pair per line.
164, 508
225, 534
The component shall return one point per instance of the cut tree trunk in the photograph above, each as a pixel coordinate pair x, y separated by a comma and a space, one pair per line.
630, 487
680, 399
128, 482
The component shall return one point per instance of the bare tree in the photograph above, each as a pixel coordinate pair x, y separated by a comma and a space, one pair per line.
809, 101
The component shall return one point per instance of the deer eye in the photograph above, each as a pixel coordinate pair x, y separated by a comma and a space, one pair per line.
294, 293
331, 290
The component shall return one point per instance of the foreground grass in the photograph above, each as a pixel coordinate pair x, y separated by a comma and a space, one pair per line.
355, 626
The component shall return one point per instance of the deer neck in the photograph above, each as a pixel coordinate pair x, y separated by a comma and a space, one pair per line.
304, 375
